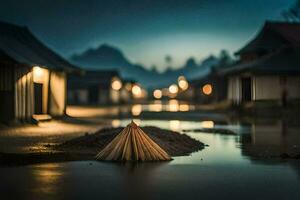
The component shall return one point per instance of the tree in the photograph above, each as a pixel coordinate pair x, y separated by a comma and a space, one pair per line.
224, 58
168, 60
154, 69
293, 13
191, 63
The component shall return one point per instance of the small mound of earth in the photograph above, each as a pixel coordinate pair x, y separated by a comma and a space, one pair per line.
174, 143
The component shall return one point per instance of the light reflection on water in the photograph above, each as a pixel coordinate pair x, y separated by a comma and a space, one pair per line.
228, 168
172, 105
222, 148
179, 125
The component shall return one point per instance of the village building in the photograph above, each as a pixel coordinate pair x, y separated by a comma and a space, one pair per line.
269, 66
32, 76
94, 87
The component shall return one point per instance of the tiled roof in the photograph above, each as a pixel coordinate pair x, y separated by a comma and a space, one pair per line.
21, 46
272, 36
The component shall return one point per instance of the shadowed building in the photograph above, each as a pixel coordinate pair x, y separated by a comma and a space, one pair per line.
94, 87
269, 66
32, 76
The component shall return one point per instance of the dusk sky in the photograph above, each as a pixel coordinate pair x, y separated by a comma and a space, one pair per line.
145, 30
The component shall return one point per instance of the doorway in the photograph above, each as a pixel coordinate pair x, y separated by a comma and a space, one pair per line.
38, 98
93, 94
246, 89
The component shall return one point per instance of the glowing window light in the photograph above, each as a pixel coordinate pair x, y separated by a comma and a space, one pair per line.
136, 90
183, 84
116, 84
180, 78
207, 89
37, 72
157, 94
173, 89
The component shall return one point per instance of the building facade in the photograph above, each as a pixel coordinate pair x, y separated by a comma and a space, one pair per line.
32, 76
269, 66
94, 88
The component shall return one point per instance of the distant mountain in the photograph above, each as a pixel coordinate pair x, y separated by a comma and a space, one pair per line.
104, 56
107, 57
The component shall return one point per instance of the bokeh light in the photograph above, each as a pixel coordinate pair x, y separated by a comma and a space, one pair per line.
136, 90
157, 94
173, 89
207, 89
116, 83
182, 82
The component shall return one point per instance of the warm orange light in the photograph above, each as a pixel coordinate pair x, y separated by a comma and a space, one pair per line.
37, 72
115, 123
182, 82
136, 109
173, 89
136, 90
175, 125
173, 105
184, 107
40, 75
116, 84
207, 89
207, 124
157, 94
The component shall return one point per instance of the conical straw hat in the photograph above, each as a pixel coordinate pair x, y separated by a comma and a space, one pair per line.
132, 144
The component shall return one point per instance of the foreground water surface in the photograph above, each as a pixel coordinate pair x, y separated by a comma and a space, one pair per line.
231, 167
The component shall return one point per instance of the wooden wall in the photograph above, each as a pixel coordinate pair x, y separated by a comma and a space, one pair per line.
24, 99
57, 95
265, 87
6, 92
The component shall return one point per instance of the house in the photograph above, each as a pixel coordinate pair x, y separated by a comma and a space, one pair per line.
94, 87
269, 66
32, 76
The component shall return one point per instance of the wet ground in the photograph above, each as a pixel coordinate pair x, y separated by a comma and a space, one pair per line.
247, 165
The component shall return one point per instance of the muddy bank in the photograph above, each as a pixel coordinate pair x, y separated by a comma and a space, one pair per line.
87, 146
174, 143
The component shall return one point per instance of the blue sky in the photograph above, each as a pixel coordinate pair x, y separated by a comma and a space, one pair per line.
146, 30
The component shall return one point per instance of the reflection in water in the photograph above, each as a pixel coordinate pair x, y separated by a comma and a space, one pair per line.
115, 123
139, 178
136, 109
173, 105
47, 177
175, 125
156, 107
208, 174
184, 107
207, 124
272, 139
